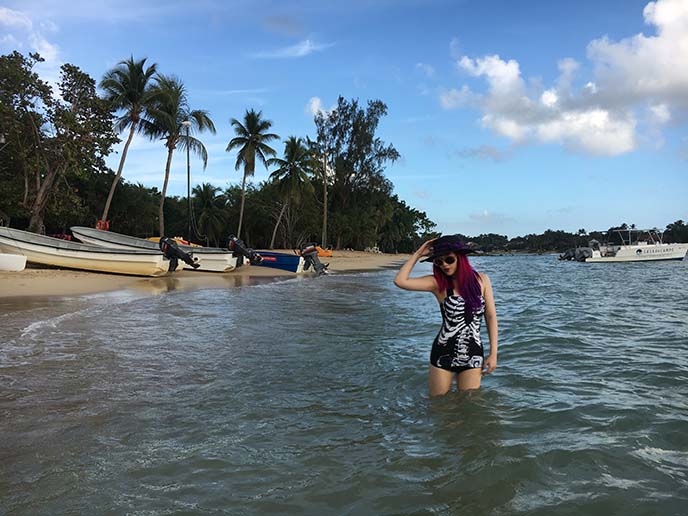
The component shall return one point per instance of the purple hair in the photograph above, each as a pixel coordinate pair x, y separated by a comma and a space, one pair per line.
466, 278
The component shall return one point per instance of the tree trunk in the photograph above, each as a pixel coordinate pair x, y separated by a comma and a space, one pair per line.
274, 231
324, 228
161, 214
37, 210
241, 209
25, 201
119, 172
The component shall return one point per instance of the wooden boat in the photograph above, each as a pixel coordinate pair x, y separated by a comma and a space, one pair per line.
211, 259
288, 262
12, 262
62, 253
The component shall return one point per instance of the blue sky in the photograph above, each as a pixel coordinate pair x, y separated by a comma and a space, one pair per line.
511, 117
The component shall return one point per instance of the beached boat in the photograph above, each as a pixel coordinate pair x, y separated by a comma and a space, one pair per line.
72, 255
210, 259
288, 262
631, 249
12, 262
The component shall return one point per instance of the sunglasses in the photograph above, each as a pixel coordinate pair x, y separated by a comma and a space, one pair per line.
444, 259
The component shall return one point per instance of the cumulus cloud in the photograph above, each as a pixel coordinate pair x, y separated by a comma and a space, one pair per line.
301, 49
315, 106
639, 73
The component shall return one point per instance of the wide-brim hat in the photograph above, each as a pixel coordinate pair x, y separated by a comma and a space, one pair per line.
448, 244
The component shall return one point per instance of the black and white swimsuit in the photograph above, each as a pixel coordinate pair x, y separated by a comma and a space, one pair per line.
457, 346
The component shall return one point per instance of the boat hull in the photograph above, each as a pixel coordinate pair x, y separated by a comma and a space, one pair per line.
643, 253
287, 262
210, 259
12, 262
59, 253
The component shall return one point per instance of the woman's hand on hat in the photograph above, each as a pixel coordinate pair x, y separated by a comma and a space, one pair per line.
425, 249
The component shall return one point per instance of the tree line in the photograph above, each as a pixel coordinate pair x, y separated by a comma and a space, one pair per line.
559, 241
331, 189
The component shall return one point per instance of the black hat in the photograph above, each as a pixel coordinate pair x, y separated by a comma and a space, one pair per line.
447, 244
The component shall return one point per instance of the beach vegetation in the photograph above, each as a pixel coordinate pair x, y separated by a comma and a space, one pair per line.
209, 209
293, 182
251, 140
128, 89
168, 114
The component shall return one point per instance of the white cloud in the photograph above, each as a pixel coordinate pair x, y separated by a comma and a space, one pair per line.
301, 49
642, 67
314, 107
660, 113
639, 73
454, 98
15, 19
22, 33
593, 131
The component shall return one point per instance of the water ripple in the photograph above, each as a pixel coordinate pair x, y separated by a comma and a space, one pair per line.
310, 397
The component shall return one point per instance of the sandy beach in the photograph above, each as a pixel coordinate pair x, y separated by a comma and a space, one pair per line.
62, 282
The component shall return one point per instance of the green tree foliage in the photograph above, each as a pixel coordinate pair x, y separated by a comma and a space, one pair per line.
252, 141
168, 113
210, 213
676, 232
360, 200
53, 138
293, 182
127, 89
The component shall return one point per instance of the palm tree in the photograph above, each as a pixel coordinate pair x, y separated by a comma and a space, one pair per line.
128, 88
169, 112
211, 215
291, 175
251, 140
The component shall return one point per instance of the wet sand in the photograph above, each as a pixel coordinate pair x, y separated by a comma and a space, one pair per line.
62, 282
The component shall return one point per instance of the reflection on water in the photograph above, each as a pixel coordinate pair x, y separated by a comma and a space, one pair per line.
310, 397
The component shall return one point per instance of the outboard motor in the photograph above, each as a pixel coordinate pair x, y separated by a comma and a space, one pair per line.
173, 253
238, 248
569, 254
309, 252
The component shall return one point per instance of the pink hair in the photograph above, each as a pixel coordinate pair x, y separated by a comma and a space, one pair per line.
466, 279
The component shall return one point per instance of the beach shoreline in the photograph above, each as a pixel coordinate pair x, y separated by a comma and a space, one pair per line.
48, 282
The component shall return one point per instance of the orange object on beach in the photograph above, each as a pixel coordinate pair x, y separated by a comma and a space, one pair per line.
327, 253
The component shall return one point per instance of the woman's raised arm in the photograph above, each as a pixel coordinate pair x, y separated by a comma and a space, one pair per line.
424, 283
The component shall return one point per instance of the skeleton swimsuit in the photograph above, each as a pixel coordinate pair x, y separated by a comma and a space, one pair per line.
457, 346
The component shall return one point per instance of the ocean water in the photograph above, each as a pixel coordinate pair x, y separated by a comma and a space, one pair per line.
309, 396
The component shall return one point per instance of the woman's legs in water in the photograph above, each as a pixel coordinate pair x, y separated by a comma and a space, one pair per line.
469, 379
440, 381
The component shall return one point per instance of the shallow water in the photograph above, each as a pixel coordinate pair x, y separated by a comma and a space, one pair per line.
309, 396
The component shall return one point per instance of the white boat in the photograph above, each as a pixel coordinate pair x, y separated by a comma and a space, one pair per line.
210, 259
12, 262
632, 249
72, 255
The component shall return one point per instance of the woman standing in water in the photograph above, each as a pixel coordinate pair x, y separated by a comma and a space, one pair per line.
464, 295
